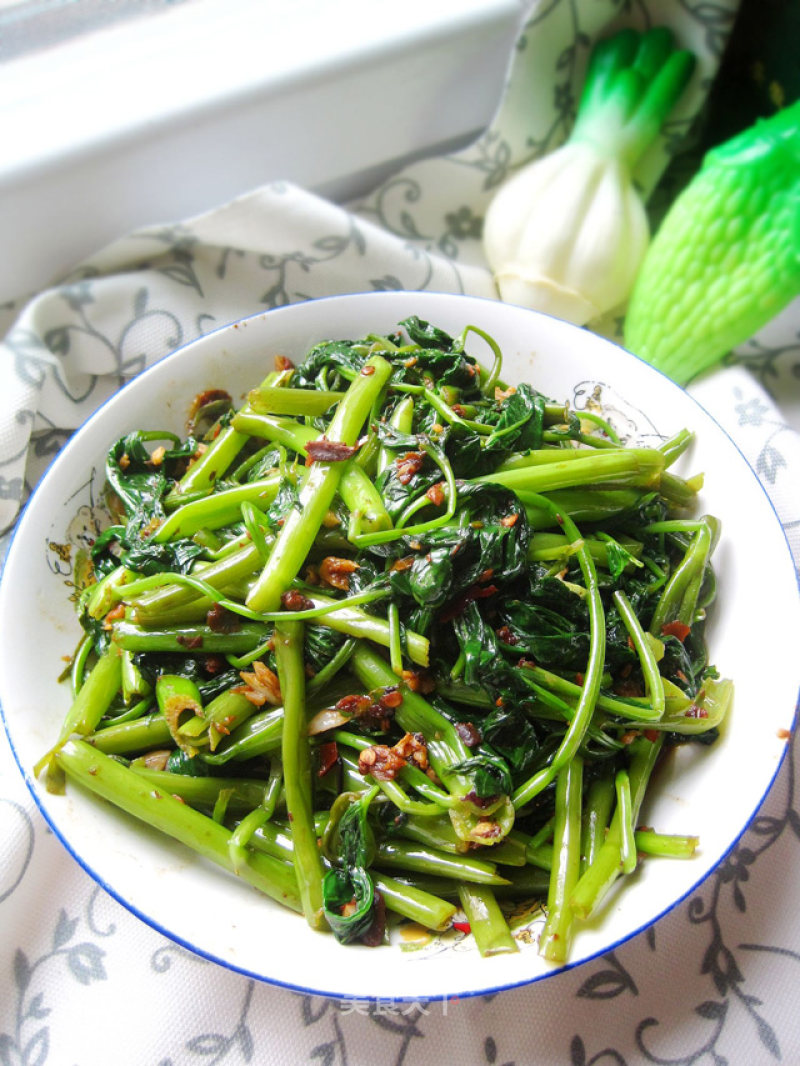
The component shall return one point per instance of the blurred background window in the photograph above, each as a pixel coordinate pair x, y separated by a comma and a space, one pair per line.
30, 25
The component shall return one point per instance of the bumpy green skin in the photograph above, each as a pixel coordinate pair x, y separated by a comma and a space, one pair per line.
726, 258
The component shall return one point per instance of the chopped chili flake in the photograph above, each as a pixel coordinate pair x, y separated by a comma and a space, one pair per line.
419, 681
391, 698
190, 642
220, 620
696, 712
408, 465
323, 450
463, 927
367, 371
328, 757
507, 637
282, 362
114, 615
474, 592
676, 629
509, 520
214, 664
436, 494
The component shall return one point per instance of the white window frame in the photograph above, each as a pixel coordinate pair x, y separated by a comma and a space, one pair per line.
171, 114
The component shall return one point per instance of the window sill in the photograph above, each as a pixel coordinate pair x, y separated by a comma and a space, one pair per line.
169, 116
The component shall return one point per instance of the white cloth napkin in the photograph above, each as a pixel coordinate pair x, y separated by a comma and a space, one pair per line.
85, 981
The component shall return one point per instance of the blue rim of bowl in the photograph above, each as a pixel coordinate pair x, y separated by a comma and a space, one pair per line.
346, 997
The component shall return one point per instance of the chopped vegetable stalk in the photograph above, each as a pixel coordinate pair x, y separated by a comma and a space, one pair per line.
486, 921
138, 796
300, 528
555, 939
297, 770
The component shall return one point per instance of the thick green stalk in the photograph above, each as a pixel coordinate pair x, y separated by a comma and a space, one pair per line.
296, 759
627, 845
316, 494
419, 906
670, 845
401, 419
654, 686
225, 713
243, 793
629, 466
404, 855
229, 570
219, 509
185, 639
269, 400
596, 813
557, 933
598, 878
205, 471
128, 738
259, 735
357, 623
590, 690
582, 504
486, 921
95, 695
283, 431
180, 702
133, 793
409, 901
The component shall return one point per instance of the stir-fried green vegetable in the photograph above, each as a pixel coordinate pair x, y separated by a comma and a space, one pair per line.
394, 638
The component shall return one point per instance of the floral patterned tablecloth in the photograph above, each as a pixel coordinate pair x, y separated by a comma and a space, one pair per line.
84, 981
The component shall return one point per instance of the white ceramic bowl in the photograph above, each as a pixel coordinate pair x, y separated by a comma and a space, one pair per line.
709, 792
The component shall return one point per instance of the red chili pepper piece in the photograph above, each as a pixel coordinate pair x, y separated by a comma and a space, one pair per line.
676, 629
